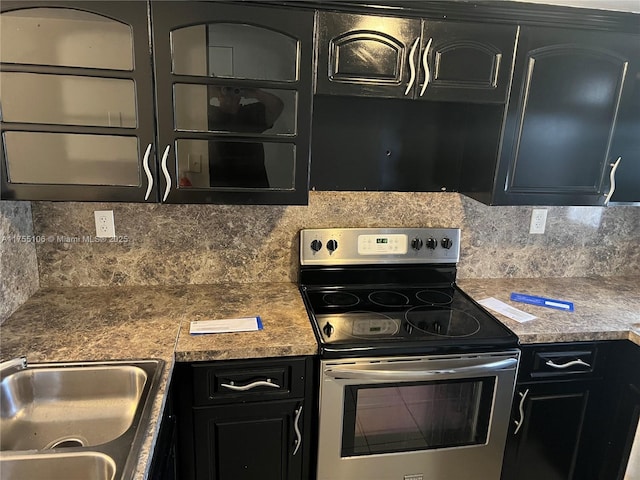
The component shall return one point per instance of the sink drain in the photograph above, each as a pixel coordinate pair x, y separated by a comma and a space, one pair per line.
67, 442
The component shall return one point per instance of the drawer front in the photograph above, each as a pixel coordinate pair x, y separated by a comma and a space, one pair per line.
243, 381
563, 361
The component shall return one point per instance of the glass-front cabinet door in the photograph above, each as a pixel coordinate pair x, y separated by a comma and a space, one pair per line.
76, 101
233, 94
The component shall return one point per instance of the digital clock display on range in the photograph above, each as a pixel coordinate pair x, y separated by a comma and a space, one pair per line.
390, 244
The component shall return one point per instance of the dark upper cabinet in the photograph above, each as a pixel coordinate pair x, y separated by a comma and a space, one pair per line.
568, 91
626, 140
233, 97
393, 57
367, 55
469, 62
77, 102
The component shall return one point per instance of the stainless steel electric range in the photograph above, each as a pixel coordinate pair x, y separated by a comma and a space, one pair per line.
416, 378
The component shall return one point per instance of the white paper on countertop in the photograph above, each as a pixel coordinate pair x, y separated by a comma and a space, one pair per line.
506, 310
226, 325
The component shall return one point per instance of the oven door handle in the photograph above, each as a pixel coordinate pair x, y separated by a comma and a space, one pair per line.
357, 372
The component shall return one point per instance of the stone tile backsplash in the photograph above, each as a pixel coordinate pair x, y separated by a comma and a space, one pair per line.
200, 244
18, 262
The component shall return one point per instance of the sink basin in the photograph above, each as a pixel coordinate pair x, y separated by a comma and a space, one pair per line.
75, 420
81, 406
85, 465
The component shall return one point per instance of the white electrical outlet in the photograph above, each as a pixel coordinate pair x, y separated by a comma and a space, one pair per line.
538, 220
105, 226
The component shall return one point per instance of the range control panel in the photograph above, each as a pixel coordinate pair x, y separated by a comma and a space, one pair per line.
353, 246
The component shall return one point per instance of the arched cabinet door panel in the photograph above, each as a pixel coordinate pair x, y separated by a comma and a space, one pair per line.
466, 62
77, 106
366, 55
234, 92
564, 115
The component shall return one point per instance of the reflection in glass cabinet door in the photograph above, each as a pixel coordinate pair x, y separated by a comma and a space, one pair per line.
229, 50
236, 164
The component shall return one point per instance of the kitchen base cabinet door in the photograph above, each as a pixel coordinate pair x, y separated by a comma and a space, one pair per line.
550, 430
623, 400
248, 442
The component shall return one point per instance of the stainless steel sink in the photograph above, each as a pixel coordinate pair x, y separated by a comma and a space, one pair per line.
45, 408
83, 465
74, 420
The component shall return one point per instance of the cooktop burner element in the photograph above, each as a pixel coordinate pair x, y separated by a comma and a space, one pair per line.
388, 298
442, 322
381, 292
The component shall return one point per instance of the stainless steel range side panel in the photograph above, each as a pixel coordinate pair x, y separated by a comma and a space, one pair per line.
358, 246
472, 462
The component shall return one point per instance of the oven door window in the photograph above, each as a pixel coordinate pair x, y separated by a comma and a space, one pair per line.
387, 418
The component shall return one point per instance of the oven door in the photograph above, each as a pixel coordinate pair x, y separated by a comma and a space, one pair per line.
438, 417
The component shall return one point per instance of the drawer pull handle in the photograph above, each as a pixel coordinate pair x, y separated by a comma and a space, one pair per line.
612, 179
519, 423
412, 66
568, 364
249, 386
296, 426
425, 65
145, 166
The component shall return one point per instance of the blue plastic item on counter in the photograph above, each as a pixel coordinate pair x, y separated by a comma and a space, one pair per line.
542, 301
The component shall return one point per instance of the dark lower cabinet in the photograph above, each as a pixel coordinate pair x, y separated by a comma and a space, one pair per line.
249, 441
557, 413
553, 418
624, 403
245, 419
163, 465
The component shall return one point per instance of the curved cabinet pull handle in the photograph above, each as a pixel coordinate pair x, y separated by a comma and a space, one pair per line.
249, 386
145, 166
551, 363
167, 177
612, 178
412, 65
425, 65
519, 423
296, 426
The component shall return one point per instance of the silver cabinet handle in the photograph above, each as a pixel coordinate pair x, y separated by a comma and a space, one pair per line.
412, 66
551, 363
249, 386
145, 166
519, 423
296, 426
612, 178
425, 65
167, 177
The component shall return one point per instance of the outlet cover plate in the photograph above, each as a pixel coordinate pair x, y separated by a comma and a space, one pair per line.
538, 220
105, 226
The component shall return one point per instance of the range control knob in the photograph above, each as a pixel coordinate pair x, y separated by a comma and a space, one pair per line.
432, 243
316, 245
416, 243
446, 243
328, 329
332, 245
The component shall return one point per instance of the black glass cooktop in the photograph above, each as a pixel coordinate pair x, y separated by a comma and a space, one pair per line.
388, 320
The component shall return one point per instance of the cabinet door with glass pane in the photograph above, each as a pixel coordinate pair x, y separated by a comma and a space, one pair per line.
233, 95
77, 101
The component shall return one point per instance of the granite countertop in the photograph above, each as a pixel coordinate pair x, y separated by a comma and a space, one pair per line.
605, 308
128, 323
119, 323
